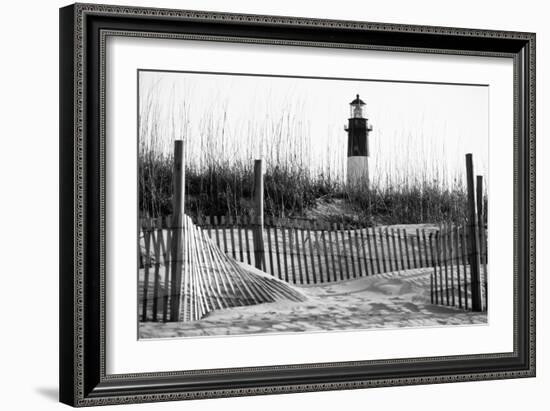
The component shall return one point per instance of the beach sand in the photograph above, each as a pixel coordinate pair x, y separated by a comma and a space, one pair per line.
392, 300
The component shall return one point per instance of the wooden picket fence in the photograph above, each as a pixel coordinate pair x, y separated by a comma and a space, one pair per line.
463, 248
303, 252
451, 280
187, 277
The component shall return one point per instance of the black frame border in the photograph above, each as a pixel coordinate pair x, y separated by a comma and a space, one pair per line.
83, 30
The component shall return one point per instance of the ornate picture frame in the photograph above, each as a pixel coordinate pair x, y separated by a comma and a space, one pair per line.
84, 30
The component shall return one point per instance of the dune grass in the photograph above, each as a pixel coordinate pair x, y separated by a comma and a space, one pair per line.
226, 189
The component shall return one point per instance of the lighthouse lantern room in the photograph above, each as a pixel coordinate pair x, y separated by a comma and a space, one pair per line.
358, 129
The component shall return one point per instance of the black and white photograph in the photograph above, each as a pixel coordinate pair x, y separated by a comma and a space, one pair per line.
276, 206
280, 204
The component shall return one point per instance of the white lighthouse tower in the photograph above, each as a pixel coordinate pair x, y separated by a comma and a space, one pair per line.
358, 129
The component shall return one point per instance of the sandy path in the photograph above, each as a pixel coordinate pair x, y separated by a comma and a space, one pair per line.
389, 300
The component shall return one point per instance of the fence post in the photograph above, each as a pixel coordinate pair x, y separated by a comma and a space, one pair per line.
258, 224
481, 233
177, 220
472, 237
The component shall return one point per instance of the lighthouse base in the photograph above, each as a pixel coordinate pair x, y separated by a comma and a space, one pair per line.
358, 172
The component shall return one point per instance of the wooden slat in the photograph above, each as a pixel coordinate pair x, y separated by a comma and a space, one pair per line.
443, 245
407, 249
381, 235
393, 249
237, 281
246, 291
166, 285
231, 285
224, 233
178, 309
312, 255
333, 258
465, 259
240, 237
185, 309
418, 254
451, 257
439, 262
375, 245
285, 253
194, 309
291, 253
227, 287
427, 258
216, 222
483, 258
364, 250
400, 247
395, 254
255, 284
199, 293
351, 251
213, 289
147, 243
247, 227
176, 266
304, 256
336, 244
214, 270
298, 255
343, 239
359, 255
389, 250
319, 253
277, 251
269, 247
437, 295
435, 256
221, 289
212, 296
156, 285
213, 273
231, 228
432, 288
456, 242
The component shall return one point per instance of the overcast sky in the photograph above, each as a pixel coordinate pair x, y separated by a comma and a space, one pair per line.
415, 126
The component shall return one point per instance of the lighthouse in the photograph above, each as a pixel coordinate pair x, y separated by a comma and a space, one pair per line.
358, 129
